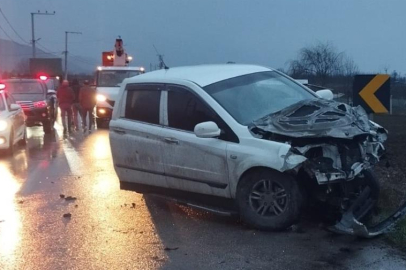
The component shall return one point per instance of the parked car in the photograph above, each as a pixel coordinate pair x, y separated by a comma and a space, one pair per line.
247, 139
39, 104
12, 122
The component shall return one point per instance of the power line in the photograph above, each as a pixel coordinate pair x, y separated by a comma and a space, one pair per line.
1, 11
4, 31
45, 49
84, 61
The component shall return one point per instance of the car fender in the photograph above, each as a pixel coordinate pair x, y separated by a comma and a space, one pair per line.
257, 153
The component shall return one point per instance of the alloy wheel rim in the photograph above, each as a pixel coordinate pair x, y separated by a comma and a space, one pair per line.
268, 198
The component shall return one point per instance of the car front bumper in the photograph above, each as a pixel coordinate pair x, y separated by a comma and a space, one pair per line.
5, 139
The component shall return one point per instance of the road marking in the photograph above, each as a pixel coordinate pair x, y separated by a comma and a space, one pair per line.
368, 93
75, 162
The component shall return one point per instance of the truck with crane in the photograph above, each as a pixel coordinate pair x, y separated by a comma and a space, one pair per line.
115, 68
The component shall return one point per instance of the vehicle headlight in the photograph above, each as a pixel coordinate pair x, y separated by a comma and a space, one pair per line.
3, 125
101, 98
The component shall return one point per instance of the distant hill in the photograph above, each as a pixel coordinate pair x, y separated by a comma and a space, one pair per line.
16, 56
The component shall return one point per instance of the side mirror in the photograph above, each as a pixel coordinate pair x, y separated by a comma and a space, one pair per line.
207, 130
326, 94
14, 107
51, 92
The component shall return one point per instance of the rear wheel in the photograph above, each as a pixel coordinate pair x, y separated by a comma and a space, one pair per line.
269, 200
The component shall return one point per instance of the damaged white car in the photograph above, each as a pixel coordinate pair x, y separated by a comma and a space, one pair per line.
250, 140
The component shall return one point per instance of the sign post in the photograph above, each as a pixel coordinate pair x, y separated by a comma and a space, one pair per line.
372, 92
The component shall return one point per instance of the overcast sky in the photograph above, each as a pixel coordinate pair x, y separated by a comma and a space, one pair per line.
266, 32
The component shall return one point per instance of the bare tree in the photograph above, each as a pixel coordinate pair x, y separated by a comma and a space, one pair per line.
349, 68
321, 61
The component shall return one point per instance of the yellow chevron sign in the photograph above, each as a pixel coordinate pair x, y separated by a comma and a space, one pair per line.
368, 93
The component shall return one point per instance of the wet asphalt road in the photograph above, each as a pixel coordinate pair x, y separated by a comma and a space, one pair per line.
114, 229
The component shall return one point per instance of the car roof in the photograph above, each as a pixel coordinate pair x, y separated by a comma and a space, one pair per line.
21, 80
119, 68
202, 75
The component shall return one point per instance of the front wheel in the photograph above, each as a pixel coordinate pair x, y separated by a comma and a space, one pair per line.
269, 200
23, 140
10, 150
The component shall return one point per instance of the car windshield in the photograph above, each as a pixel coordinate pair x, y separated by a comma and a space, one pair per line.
111, 78
25, 88
249, 97
2, 107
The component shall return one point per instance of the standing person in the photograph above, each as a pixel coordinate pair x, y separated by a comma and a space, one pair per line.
76, 105
87, 99
65, 97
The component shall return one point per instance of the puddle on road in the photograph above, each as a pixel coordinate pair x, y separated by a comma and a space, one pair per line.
10, 227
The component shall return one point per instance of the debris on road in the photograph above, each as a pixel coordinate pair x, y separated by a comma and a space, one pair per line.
62, 196
70, 198
67, 215
169, 249
21, 202
133, 205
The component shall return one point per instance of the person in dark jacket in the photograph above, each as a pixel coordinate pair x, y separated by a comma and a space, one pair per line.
65, 97
87, 100
76, 106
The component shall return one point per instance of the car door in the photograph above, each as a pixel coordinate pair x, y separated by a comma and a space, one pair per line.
191, 163
135, 137
16, 117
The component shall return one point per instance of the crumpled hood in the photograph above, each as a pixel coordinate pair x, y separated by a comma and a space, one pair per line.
317, 118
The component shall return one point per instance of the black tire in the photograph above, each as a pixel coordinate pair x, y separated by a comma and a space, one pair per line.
277, 193
10, 150
48, 126
23, 141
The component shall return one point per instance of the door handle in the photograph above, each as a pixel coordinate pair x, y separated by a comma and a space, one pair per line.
171, 140
118, 131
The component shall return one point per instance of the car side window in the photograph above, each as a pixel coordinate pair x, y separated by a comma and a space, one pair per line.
185, 110
8, 100
2, 105
143, 105
11, 99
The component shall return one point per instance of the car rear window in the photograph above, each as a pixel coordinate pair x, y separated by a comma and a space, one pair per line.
25, 88
143, 105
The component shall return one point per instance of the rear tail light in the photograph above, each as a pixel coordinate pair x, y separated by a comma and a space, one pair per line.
40, 104
43, 78
2, 86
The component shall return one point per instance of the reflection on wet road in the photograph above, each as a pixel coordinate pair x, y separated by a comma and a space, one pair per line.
114, 229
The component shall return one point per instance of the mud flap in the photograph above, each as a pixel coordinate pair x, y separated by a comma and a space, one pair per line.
350, 224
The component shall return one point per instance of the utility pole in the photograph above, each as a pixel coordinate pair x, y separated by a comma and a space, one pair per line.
32, 29
66, 51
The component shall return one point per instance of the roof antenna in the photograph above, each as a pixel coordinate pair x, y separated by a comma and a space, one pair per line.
162, 64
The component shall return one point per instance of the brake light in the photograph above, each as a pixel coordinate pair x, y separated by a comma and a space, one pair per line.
2, 86
43, 78
40, 104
